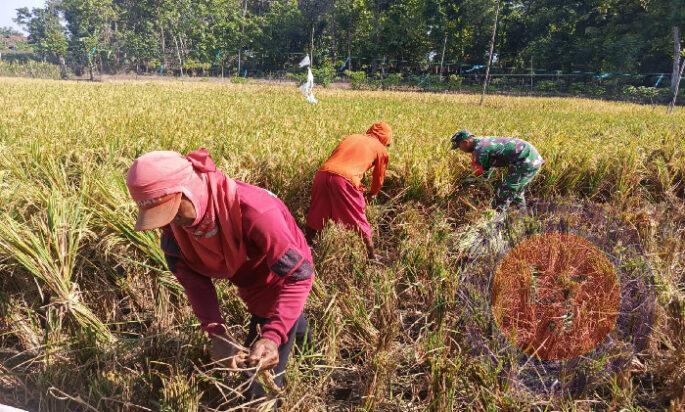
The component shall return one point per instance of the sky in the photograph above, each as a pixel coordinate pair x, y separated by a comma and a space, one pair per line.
8, 7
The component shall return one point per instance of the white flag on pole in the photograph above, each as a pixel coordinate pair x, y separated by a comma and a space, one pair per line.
305, 62
307, 87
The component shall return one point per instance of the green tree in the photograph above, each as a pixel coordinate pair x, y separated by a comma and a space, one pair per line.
8, 31
90, 25
135, 43
351, 26
390, 35
313, 12
671, 13
46, 33
284, 32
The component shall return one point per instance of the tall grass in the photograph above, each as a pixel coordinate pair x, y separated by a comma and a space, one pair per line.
90, 317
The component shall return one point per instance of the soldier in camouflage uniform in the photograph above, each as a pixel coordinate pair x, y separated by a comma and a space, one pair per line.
521, 158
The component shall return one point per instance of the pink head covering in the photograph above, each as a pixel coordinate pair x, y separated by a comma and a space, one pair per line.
162, 173
157, 174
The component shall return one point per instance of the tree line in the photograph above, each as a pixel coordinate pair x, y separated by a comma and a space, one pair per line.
376, 36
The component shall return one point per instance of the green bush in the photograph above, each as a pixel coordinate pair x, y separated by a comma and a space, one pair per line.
324, 74
34, 69
393, 80
238, 80
510, 83
192, 66
577, 88
646, 94
429, 82
375, 84
152, 65
619, 83
588, 89
454, 82
358, 79
300, 78
549, 86
496, 81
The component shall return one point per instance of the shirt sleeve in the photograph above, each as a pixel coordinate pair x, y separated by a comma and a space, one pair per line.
289, 306
482, 157
199, 289
380, 166
273, 236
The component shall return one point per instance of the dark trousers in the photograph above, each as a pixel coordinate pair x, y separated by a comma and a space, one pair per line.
298, 332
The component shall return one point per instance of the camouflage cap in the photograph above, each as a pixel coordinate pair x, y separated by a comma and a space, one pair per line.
459, 136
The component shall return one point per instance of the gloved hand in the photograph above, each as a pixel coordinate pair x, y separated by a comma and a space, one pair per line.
477, 169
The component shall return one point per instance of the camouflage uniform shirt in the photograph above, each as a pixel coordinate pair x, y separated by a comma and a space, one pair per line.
503, 152
522, 159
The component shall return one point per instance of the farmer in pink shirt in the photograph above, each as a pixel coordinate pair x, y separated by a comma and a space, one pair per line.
214, 227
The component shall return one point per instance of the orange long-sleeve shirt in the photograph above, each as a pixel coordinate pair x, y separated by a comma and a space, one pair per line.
354, 156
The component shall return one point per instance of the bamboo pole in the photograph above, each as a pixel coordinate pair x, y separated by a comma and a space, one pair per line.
492, 48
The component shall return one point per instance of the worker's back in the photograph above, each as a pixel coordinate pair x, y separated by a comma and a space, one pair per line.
354, 156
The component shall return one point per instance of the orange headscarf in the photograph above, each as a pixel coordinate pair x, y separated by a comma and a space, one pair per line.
382, 132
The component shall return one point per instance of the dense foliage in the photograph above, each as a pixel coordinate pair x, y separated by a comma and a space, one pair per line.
404, 36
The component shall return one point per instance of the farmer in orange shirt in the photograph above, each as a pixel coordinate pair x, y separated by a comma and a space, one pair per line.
338, 192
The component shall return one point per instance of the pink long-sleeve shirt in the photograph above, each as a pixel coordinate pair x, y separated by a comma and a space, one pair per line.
274, 282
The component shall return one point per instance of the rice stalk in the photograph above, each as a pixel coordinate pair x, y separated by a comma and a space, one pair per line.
47, 246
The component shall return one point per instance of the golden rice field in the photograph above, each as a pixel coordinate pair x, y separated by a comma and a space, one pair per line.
90, 319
